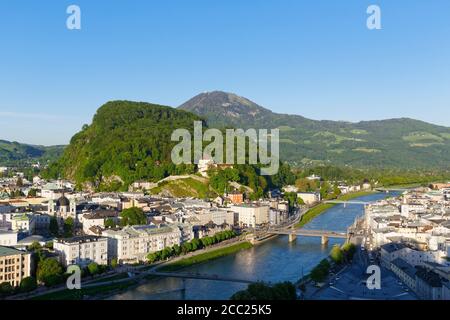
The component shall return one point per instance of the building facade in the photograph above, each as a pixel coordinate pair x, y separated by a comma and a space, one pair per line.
134, 243
252, 215
82, 250
15, 265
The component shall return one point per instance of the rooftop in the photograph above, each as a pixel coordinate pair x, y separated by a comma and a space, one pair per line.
405, 266
392, 247
80, 239
430, 277
7, 251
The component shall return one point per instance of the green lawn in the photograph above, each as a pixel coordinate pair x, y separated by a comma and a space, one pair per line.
119, 276
205, 257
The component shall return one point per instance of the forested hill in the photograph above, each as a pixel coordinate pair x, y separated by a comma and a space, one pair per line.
127, 141
395, 143
15, 153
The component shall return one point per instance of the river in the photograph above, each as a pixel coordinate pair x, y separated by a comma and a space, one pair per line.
273, 261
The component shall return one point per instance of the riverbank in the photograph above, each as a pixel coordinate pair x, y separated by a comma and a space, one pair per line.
203, 257
120, 282
322, 207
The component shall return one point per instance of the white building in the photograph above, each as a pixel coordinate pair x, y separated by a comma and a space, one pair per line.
23, 222
97, 219
309, 198
82, 250
252, 215
134, 243
204, 165
217, 216
8, 238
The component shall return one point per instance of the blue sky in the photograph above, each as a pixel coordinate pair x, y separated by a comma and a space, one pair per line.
313, 58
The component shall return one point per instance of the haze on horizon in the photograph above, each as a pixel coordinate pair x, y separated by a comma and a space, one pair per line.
314, 59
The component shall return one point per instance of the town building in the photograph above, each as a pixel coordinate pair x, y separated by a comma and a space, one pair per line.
97, 219
236, 197
309, 198
8, 238
428, 284
15, 265
405, 271
82, 250
134, 243
251, 215
62, 208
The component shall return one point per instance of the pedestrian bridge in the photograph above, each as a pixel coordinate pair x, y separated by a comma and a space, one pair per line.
199, 276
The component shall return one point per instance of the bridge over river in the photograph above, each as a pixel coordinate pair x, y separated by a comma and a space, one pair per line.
324, 234
198, 276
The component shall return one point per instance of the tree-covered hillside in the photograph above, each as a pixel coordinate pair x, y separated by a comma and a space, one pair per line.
127, 141
14, 153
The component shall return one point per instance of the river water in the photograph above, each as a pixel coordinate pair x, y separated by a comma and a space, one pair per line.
273, 261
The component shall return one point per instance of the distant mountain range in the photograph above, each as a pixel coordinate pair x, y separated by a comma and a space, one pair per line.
131, 140
394, 143
13, 153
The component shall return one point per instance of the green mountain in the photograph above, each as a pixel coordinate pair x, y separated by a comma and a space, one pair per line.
14, 153
127, 141
394, 143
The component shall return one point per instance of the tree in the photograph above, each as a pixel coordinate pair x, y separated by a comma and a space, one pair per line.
93, 268
166, 253
35, 246
49, 271
28, 284
176, 250
152, 257
32, 193
114, 263
348, 249
110, 223
336, 254
49, 245
291, 197
261, 291
54, 227
320, 272
325, 190
69, 226
6, 289
133, 216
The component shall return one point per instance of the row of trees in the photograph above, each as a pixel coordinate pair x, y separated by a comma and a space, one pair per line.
264, 292
26, 285
338, 255
190, 246
321, 271
342, 254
